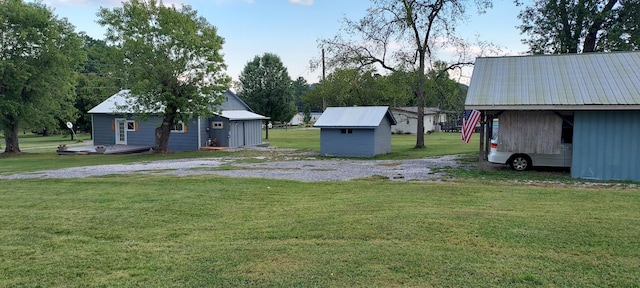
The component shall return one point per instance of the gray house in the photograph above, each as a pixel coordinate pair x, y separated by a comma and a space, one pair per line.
236, 126
355, 131
590, 100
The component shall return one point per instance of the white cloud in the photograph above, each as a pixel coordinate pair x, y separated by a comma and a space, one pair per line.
302, 2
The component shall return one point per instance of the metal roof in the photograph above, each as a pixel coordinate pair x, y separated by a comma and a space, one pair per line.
109, 106
123, 99
362, 116
589, 81
241, 115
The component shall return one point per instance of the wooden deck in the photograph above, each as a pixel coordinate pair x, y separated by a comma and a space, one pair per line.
213, 148
110, 149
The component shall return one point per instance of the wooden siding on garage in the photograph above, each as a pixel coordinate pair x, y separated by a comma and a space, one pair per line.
530, 132
606, 145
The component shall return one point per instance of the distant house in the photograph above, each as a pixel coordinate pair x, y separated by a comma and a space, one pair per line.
298, 119
235, 126
355, 131
591, 100
407, 118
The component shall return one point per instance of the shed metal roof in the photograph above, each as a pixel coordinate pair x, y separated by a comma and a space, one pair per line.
591, 81
362, 117
234, 115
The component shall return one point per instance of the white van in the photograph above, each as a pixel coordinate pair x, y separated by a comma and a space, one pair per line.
524, 161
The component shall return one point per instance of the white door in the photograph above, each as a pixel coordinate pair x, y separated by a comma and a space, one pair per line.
121, 131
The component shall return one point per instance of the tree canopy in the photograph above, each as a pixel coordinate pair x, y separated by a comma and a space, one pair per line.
566, 26
170, 60
95, 79
40, 54
365, 87
400, 35
266, 87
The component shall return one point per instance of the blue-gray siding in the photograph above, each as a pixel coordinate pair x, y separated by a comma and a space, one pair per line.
245, 133
104, 133
232, 102
234, 134
383, 137
606, 145
362, 142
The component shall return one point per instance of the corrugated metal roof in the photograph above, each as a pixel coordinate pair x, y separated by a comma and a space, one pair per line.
241, 115
569, 81
115, 103
110, 105
363, 116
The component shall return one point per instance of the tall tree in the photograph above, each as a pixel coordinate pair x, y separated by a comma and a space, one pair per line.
171, 61
300, 86
95, 81
39, 54
570, 26
361, 87
266, 87
401, 35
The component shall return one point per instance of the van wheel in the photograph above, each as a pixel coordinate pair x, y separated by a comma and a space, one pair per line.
520, 162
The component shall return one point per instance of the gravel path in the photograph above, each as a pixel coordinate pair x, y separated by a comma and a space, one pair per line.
308, 170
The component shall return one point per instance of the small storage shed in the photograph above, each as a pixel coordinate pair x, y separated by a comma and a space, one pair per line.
235, 126
355, 131
592, 100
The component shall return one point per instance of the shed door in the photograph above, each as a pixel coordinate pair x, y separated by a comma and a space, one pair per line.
121, 131
238, 133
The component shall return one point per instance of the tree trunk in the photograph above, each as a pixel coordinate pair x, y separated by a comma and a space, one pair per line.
592, 33
420, 97
162, 138
11, 130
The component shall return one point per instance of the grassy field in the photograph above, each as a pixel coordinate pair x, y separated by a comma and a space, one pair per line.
39, 153
157, 231
476, 229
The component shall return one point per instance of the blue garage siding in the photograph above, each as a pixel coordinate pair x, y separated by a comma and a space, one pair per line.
360, 143
220, 135
606, 145
253, 132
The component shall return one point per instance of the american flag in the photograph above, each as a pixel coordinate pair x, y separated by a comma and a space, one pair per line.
469, 122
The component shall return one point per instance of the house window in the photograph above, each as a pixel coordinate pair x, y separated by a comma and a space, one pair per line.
217, 125
346, 131
178, 127
131, 125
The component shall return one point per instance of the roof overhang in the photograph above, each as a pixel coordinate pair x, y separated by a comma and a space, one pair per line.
553, 107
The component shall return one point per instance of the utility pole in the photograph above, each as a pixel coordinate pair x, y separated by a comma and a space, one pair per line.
324, 72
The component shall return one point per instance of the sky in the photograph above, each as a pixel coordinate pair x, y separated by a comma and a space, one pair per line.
291, 28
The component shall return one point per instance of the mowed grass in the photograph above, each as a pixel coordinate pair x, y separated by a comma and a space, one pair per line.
402, 146
162, 231
34, 158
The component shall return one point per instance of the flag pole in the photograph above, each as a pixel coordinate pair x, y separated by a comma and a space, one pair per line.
481, 152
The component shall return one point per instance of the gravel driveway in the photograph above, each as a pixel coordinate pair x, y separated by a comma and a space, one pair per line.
309, 169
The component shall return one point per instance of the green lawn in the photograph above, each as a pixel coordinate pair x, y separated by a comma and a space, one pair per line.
161, 231
402, 146
474, 229
34, 158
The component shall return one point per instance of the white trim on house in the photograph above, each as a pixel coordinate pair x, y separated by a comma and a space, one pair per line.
121, 131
